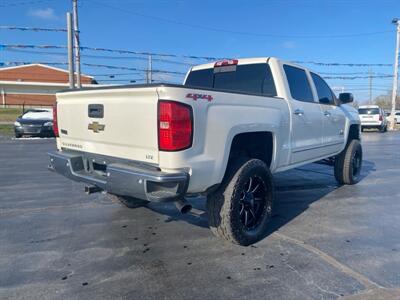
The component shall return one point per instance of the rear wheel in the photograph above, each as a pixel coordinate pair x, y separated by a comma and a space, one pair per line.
348, 163
240, 209
128, 201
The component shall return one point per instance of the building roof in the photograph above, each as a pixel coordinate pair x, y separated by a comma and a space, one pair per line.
38, 73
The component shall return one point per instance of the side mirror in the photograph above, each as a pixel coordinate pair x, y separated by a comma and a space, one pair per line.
346, 98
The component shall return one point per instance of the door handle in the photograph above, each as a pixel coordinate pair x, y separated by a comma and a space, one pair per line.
327, 114
299, 112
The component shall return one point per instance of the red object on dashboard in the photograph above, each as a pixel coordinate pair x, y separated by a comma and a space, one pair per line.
226, 62
175, 126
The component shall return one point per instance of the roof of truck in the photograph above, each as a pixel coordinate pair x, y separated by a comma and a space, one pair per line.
241, 61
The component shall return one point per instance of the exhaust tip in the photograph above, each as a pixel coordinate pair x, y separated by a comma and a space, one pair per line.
183, 206
90, 189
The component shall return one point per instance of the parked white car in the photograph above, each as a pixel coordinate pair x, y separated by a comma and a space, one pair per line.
372, 116
223, 134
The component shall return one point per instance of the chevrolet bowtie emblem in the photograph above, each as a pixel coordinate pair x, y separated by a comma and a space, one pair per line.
96, 127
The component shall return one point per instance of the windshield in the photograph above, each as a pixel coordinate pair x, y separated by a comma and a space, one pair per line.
38, 114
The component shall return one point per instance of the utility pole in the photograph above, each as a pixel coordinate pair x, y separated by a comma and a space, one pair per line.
70, 39
149, 77
395, 75
77, 44
3, 96
370, 85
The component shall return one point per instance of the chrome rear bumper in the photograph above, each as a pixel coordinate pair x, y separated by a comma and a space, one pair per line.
122, 179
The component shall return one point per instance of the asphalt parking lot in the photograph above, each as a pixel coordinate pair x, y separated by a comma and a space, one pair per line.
325, 242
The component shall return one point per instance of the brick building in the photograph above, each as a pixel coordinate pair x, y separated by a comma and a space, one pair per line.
34, 84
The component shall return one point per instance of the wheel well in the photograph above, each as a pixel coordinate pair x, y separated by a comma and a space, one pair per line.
252, 145
354, 132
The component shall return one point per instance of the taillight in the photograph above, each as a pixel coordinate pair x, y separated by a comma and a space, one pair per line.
175, 126
380, 118
226, 62
55, 122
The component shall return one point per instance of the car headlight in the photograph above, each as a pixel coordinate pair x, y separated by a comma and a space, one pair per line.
17, 124
48, 124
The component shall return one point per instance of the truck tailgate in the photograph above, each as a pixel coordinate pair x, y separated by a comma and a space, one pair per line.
113, 122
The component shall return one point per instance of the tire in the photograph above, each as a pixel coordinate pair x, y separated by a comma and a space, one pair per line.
385, 129
17, 136
240, 209
348, 163
128, 201
362, 129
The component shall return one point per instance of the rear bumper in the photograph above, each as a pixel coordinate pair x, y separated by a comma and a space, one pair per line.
122, 179
371, 125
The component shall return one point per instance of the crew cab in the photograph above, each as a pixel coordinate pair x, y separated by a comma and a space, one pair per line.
223, 133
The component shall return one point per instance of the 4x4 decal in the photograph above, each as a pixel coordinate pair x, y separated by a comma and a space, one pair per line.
209, 98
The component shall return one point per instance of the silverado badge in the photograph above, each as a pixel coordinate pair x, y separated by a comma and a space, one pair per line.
96, 127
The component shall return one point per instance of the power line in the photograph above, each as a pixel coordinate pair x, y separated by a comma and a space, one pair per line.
32, 29
19, 63
194, 25
357, 77
23, 3
348, 73
97, 56
11, 46
342, 64
5, 46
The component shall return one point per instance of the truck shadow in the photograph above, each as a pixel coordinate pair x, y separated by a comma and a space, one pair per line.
296, 190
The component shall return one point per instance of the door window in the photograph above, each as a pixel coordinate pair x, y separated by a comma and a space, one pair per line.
298, 84
325, 95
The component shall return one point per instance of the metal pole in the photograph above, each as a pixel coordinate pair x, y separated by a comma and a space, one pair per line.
70, 51
149, 78
3, 95
370, 86
395, 75
77, 43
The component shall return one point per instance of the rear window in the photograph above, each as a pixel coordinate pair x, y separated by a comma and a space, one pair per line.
252, 78
368, 111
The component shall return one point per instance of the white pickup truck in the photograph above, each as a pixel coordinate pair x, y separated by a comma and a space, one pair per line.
223, 133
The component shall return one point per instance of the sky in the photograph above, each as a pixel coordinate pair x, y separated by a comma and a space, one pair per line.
337, 31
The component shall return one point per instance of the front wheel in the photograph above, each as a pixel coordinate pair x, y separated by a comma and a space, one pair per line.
348, 163
241, 208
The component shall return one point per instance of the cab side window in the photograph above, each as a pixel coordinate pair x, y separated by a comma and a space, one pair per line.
325, 94
298, 84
